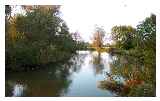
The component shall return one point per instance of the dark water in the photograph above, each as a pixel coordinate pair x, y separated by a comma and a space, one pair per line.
80, 76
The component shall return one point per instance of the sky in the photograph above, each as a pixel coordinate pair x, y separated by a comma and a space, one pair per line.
83, 15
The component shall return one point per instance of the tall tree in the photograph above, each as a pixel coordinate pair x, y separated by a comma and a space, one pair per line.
98, 36
40, 35
146, 39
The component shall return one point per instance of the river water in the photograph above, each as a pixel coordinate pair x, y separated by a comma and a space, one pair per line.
80, 76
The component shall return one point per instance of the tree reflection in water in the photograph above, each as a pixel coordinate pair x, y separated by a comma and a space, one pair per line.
97, 63
125, 76
52, 81
137, 81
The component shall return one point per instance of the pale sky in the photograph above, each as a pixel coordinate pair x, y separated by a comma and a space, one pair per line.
82, 15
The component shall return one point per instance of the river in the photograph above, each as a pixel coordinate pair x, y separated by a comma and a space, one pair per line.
80, 76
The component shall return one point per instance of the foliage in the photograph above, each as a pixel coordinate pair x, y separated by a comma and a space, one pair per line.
144, 90
98, 38
123, 35
146, 38
146, 44
136, 62
37, 37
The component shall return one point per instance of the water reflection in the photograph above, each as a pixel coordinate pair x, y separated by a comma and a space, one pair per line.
52, 81
78, 76
97, 62
133, 78
85, 82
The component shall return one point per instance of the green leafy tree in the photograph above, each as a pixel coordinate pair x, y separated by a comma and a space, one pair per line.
123, 36
141, 58
146, 44
40, 37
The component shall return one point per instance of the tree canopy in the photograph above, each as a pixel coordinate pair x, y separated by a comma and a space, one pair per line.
39, 36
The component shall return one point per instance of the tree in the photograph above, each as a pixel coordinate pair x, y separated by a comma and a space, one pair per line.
40, 37
146, 33
98, 37
143, 52
123, 36
146, 44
